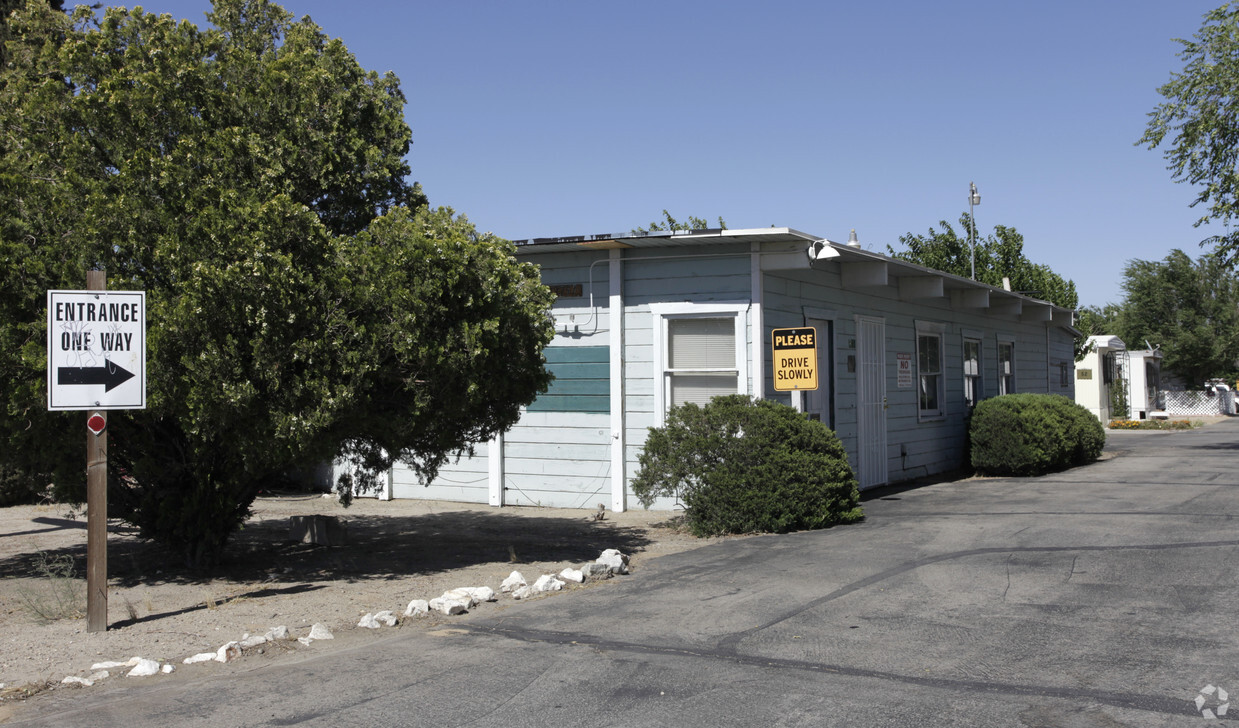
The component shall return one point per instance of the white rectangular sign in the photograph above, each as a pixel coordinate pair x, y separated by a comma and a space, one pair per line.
96, 350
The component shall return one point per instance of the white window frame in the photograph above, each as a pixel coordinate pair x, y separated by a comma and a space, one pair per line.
978, 379
929, 329
1006, 382
664, 312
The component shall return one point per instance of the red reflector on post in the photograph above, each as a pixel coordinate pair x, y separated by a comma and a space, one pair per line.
96, 423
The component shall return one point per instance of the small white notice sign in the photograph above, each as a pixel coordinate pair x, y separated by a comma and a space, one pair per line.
904, 372
96, 350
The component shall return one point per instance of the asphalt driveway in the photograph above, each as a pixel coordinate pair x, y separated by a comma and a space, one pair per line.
1101, 596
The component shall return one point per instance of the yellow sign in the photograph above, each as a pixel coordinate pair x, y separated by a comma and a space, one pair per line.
795, 359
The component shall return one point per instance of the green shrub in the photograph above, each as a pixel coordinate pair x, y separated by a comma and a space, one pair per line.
740, 465
1031, 434
20, 488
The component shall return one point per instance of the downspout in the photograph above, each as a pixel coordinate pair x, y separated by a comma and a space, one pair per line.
1048, 355
619, 479
758, 324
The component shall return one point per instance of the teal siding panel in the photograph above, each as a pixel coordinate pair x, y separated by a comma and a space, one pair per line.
582, 380
566, 354
572, 386
588, 371
571, 403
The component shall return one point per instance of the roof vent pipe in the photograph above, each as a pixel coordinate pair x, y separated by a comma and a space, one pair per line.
852, 241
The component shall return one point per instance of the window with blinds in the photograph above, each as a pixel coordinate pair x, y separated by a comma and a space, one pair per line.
929, 373
1006, 367
972, 372
701, 359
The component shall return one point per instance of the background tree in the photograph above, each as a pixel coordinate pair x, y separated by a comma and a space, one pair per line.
998, 255
1201, 116
6, 9
670, 224
1095, 321
1190, 309
302, 300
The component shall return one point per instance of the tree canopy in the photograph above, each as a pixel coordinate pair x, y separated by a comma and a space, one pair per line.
670, 224
1199, 123
6, 8
998, 255
1189, 309
303, 301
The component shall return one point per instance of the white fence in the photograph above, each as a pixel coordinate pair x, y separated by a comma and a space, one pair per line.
1198, 403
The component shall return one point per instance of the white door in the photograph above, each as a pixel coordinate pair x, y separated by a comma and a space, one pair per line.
871, 401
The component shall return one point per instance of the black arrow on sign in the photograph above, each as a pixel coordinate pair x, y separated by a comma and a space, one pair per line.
110, 375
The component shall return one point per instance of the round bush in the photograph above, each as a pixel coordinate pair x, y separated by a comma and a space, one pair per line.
20, 488
740, 465
1031, 434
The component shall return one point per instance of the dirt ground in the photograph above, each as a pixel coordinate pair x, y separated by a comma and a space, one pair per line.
396, 551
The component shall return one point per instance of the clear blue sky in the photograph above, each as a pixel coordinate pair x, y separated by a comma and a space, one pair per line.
569, 117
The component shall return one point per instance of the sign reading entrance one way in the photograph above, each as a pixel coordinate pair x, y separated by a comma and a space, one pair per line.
795, 359
96, 350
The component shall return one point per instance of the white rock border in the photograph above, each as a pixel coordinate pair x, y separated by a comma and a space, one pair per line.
455, 601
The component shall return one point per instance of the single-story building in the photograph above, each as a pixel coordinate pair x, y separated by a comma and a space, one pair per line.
1114, 382
1102, 378
1144, 392
648, 321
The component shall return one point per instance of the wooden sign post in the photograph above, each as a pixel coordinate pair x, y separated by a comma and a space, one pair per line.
96, 361
96, 505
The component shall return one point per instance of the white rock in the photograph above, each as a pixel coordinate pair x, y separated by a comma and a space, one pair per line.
131, 662
449, 606
320, 632
167, 669
75, 680
617, 562
417, 608
596, 570
466, 595
97, 676
523, 592
251, 641
276, 634
228, 652
200, 657
572, 575
513, 582
144, 668
369, 622
547, 583
386, 617
305, 641
479, 593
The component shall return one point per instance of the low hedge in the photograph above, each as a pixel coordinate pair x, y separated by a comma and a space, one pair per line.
1031, 434
740, 465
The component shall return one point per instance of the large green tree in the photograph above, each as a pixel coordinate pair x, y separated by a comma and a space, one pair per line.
6, 9
1190, 309
1199, 123
998, 255
302, 299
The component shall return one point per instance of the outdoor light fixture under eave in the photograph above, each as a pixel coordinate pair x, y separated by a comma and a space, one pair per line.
822, 250
974, 198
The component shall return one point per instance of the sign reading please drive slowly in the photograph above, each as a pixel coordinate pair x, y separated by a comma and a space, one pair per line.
795, 359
